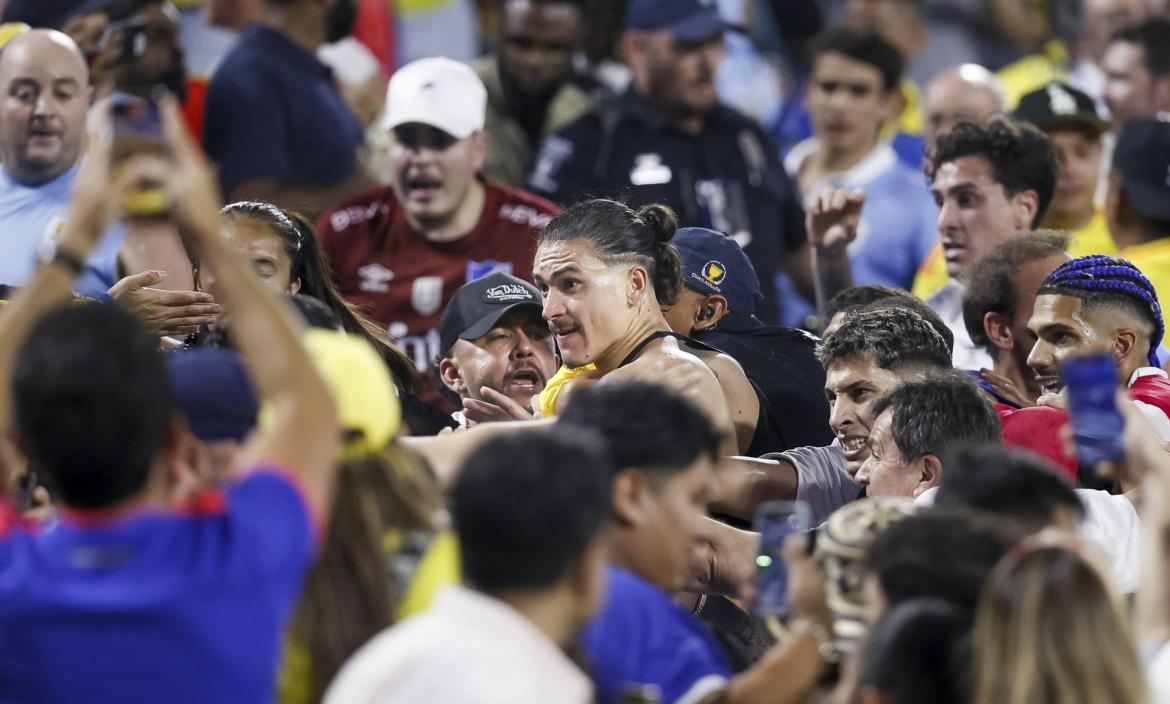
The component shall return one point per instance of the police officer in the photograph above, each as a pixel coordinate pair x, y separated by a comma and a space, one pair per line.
668, 140
717, 307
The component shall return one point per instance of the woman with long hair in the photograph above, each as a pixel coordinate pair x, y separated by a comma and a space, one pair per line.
606, 272
1050, 630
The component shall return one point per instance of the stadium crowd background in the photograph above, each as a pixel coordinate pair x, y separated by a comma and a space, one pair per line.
445, 351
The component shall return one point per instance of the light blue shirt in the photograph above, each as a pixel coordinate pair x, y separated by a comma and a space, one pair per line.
898, 223
31, 215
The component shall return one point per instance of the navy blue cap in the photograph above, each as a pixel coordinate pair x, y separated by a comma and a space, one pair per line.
1142, 158
689, 20
715, 263
478, 305
211, 389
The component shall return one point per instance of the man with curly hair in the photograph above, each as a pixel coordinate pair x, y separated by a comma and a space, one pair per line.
992, 182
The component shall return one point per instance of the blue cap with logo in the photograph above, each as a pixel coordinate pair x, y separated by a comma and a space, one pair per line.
689, 20
715, 263
1142, 158
211, 388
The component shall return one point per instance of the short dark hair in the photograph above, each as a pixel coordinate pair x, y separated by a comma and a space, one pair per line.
942, 552
866, 46
1013, 484
644, 425
991, 284
1020, 156
1153, 36
1100, 281
92, 400
855, 297
621, 234
932, 414
526, 505
917, 653
894, 337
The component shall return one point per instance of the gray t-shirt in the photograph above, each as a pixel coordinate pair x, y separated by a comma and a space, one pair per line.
822, 479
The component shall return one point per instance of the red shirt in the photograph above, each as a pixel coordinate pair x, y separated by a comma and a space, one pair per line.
404, 281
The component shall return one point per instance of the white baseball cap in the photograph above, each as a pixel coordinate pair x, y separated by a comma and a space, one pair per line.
439, 92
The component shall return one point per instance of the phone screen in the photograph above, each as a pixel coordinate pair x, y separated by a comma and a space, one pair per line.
775, 521
137, 129
1092, 385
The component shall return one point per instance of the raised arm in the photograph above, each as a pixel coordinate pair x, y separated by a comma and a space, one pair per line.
302, 432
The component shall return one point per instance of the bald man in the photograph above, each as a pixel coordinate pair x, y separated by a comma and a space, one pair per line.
45, 84
967, 92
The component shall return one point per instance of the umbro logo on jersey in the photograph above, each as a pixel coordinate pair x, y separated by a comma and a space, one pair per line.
375, 278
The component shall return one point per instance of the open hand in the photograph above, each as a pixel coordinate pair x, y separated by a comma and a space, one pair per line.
164, 312
494, 406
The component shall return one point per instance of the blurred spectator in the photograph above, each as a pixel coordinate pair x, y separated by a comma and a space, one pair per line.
914, 425
496, 348
386, 551
1137, 71
1097, 303
232, 14
916, 654
156, 602
968, 92
943, 553
42, 139
662, 451
210, 388
668, 140
853, 91
531, 86
874, 297
992, 183
1069, 118
1137, 204
276, 124
1099, 20
839, 551
716, 306
402, 251
533, 575
998, 305
1026, 648
1022, 489
901, 23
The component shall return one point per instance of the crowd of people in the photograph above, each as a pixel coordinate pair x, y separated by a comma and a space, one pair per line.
359, 371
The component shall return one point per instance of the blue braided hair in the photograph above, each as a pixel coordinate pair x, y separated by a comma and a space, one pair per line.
1109, 277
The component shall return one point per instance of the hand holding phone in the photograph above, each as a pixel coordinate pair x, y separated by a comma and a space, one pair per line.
137, 130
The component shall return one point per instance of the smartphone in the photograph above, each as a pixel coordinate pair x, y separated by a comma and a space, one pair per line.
137, 129
1091, 383
133, 33
775, 521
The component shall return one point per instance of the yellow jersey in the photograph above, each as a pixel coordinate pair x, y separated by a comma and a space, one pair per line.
551, 394
1153, 259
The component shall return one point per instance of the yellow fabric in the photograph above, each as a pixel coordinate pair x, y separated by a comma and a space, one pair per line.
910, 119
1034, 72
8, 30
438, 567
1153, 258
552, 390
1093, 238
367, 399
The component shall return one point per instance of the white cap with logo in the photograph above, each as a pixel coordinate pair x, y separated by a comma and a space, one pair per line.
439, 92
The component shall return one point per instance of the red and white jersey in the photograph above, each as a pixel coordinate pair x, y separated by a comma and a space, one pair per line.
403, 281
1149, 388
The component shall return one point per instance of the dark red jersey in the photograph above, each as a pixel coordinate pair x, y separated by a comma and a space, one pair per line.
403, 281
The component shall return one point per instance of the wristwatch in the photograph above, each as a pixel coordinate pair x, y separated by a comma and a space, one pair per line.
55, 254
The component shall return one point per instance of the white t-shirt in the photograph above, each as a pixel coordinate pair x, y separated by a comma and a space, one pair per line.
1111, 524
467, 649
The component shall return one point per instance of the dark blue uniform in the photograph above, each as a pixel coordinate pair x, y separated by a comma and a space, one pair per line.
729, 178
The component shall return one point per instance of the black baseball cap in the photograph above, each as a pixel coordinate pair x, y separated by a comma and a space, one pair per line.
1142, 160
479, 305
1059, 105
689, 20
